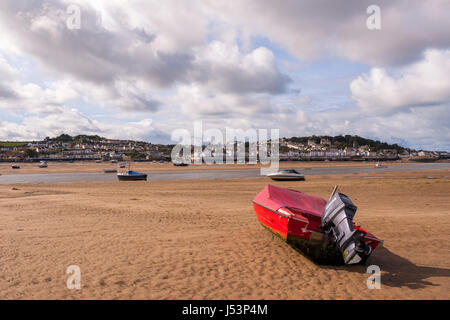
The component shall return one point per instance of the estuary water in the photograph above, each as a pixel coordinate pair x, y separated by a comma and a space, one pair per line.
209, 174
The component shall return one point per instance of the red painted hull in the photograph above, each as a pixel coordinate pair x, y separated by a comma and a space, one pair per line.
296, 218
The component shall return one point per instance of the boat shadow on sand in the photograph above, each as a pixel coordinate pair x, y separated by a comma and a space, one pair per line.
397, 271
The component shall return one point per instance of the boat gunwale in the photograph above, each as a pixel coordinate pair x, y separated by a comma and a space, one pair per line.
279, 213
135, 174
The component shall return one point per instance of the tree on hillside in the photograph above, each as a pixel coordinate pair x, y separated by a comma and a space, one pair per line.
63, 138
30, 153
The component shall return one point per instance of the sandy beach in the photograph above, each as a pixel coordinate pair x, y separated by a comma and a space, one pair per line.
201, 239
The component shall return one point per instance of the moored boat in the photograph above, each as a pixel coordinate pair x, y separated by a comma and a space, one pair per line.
180, 164
324, 232
43, 164
286, 175
379, 165
110, 170
15, 166
130, 175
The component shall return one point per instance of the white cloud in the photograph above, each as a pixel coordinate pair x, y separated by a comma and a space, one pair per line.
197, 101
71, 121
316, 29
30, 97
163, 49
425, 83
226, 68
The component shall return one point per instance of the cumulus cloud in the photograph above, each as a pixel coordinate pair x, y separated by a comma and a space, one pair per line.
123, 51
92, 52
226, 68
122, 95
201, 102
425, 83
73, 122
29, 97
314, 29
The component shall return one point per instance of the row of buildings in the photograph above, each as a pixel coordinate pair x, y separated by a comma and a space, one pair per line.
326, 150
87, 150
323, 150
291, 151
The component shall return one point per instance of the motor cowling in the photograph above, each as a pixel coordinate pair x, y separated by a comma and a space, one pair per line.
337, 224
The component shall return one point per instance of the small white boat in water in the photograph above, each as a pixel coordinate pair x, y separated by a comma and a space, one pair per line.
286, 175
379, 165
43, 164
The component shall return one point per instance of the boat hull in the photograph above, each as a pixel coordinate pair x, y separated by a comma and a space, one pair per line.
287, 178
296, 233
109, 170
302, 230
132, 178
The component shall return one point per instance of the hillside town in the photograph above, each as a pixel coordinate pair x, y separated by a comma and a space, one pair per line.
66, 148
323, 148
83, 147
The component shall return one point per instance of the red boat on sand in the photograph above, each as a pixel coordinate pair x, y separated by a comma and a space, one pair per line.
323, 231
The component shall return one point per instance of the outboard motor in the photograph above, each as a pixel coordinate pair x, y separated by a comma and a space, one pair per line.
337, 223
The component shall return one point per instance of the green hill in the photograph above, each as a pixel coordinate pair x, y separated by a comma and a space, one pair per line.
12, 144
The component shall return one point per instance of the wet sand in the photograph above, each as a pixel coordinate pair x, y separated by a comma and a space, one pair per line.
200, 239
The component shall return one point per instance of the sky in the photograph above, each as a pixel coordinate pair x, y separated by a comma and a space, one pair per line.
141, 69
